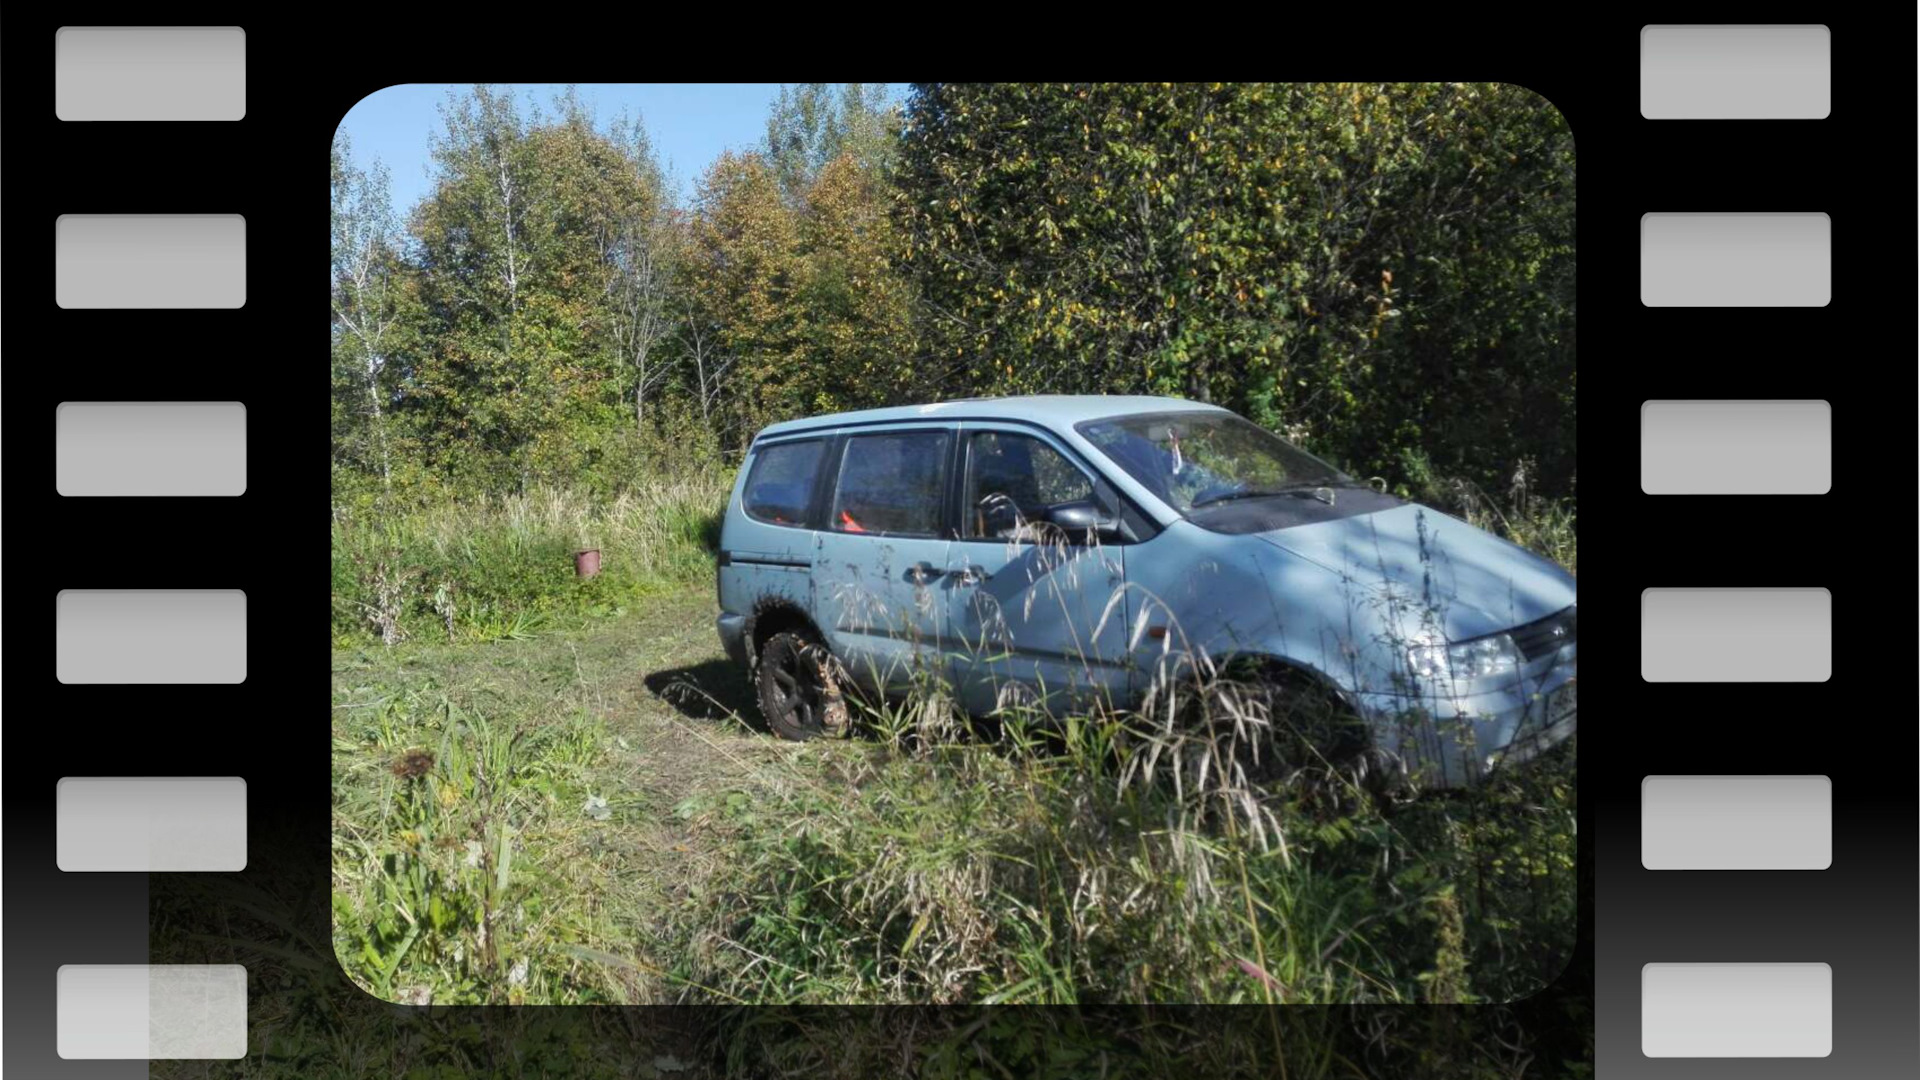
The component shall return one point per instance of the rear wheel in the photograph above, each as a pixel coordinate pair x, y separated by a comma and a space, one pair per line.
799, 695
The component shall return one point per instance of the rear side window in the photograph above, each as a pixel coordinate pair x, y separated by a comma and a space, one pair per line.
780, 487
892, 482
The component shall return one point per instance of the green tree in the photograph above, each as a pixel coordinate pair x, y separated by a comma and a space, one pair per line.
639, 247
743, 275
1383, 271
522, 247
806, 300
859, 328
815, 123
1297, 252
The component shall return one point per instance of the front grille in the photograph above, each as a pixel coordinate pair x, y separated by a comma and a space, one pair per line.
1543, 637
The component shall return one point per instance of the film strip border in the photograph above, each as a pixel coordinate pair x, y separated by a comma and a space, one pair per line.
1729, 921
155, 463
1713, 261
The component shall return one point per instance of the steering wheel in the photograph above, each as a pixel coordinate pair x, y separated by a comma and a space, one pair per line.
995, 503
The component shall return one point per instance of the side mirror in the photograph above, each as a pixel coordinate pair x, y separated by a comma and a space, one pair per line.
1083, 521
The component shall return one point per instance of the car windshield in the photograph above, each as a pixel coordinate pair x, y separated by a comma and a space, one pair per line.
1195, 461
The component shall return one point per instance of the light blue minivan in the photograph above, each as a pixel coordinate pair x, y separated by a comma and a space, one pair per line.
1063, 552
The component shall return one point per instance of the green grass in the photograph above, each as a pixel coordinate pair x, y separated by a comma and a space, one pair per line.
1544, 525
512, 819
597, 819
590, 817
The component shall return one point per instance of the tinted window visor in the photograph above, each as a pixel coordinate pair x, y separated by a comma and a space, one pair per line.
1195, 462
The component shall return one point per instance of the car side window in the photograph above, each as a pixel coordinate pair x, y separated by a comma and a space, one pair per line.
891, 482
1013, 480
780, 487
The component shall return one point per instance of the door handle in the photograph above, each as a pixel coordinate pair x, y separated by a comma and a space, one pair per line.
973, 575
922, 572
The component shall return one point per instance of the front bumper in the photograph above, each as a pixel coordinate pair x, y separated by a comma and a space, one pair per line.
1456, 740
733, 636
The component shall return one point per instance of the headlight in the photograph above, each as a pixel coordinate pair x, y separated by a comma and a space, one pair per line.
1476, 659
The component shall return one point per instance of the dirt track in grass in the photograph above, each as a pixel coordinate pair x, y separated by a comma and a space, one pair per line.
667, 734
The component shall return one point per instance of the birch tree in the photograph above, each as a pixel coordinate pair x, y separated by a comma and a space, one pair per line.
640, 252
366, 282
700, 343
488, 384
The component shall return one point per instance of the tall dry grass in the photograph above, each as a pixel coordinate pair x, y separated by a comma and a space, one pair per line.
499, 567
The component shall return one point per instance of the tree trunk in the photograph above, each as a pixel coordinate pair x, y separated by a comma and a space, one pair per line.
700, 382
379, 424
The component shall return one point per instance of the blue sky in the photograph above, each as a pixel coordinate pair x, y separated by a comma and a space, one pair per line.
690, 123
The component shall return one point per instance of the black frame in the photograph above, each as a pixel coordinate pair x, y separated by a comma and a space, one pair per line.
1627, 166
1858, 914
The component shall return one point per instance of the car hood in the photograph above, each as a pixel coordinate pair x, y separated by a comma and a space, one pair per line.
1474, 582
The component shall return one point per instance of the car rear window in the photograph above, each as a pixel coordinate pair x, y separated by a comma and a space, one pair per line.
780, 486
891, 482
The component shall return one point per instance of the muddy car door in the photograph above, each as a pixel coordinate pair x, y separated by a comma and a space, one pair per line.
1037, 592
767, 542
881, 554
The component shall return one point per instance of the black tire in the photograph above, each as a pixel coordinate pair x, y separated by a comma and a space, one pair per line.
1318, 747
794, 696
1315, 725
1337, 746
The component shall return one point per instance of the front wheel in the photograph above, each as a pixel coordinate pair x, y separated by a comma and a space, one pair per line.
1316, 745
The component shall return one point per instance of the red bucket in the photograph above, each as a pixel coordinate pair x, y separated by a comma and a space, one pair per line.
586, 563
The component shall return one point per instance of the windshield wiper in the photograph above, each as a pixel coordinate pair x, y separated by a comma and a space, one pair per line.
1296, 490
1254, 493
1302, 489
1311, 489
